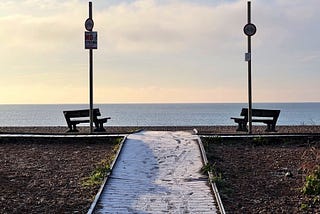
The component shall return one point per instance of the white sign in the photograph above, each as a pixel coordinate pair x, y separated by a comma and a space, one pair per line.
90, 40
248, 57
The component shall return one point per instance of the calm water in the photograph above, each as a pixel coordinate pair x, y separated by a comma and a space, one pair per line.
157, 114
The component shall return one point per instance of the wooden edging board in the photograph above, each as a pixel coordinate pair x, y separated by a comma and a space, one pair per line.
97, 197
212, 184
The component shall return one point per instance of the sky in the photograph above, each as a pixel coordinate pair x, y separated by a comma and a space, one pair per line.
159, 51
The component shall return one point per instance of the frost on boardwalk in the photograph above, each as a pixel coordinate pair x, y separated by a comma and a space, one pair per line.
158, 172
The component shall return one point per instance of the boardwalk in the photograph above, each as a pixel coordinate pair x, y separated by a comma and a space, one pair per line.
158, 172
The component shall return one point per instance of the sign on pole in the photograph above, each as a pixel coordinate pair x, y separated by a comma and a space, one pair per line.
249, 30
89, 24
90, 40
247, 57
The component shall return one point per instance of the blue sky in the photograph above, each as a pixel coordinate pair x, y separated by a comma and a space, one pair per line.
159, 51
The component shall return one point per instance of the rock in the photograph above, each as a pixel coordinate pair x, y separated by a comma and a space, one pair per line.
288, 174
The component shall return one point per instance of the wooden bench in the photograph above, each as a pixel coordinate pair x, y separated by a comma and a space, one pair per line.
75, 117
265, 116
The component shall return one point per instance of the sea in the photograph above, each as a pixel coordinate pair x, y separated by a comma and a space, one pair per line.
181, 114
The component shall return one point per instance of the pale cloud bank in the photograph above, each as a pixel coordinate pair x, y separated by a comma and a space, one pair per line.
180, 50
148, 26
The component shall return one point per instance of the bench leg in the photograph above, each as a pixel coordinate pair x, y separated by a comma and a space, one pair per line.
242, 127
102, 128
271, 127
73, 128
70, 128
99, 127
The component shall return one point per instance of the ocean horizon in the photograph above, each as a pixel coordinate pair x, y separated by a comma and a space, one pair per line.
157, 114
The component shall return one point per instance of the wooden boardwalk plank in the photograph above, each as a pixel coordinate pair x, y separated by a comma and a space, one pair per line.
158, 172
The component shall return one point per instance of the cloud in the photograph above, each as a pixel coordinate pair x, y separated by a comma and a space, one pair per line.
160, 46
142, 26
149, 26
40, 31
38, 8
283, 23
40, 36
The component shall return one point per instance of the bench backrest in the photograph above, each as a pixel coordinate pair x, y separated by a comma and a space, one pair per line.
81, 113
261, 113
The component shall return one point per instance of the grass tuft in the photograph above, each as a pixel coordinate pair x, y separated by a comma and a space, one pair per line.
103, 168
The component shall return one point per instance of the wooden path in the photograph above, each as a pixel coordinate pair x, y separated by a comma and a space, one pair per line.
158, 172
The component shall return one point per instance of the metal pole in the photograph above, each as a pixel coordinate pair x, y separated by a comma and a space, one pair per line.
90, 10
91, 77
249, 74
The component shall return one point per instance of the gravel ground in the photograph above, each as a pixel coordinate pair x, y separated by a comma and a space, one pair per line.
227, 130
44, 176
261, 176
